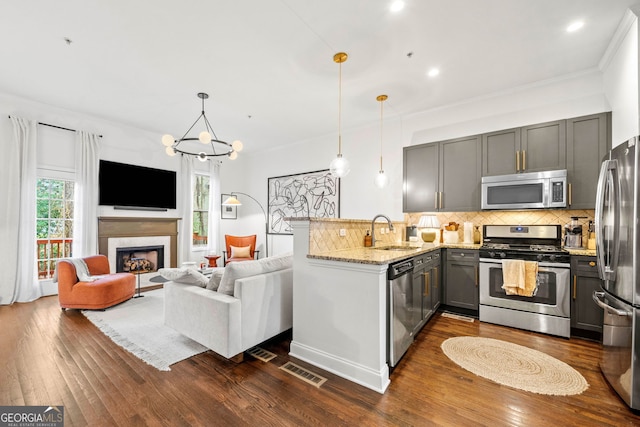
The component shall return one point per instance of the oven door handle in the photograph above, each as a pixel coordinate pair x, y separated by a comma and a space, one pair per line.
597, 298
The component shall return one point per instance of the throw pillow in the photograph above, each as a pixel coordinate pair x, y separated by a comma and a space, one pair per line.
187, 276
214, 281
239, 270
240, 252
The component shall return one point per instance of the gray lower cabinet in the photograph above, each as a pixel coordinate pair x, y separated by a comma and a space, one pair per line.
442, 176
585, 314
427, 285
588, 139
461, 278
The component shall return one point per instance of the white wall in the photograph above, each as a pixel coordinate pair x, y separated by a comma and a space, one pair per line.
571, 96
620, 71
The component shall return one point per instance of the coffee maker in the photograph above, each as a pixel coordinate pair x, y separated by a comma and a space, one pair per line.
573, 233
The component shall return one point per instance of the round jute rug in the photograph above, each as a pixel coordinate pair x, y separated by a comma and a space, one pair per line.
514, 366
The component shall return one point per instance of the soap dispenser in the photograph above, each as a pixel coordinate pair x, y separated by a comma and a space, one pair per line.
367, 240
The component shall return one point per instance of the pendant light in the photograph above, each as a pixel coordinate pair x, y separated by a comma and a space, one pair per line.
381, 180
339, 167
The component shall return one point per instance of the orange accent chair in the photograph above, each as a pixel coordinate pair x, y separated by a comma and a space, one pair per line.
239, 242
97, 295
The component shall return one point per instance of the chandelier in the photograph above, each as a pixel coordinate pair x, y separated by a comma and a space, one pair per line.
217, 147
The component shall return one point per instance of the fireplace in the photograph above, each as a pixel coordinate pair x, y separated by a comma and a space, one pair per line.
139, 258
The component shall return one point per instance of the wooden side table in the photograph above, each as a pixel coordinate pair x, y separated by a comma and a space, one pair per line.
212, 259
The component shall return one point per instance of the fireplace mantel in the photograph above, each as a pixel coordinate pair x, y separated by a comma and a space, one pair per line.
115, 226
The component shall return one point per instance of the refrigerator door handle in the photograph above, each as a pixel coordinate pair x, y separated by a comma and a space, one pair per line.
599, 216
597, 298
608, 179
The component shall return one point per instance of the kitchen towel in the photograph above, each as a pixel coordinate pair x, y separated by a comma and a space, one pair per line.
513, 276
530, 279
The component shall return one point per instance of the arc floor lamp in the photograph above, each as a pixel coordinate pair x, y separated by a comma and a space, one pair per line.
233, 201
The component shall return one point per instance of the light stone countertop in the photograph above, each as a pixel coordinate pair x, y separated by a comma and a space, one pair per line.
377, 255
581, 251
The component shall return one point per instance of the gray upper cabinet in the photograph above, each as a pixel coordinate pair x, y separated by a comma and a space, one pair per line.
588, 139
499, 150
460, 174
442, 176
420, 177
532, 148
544, 147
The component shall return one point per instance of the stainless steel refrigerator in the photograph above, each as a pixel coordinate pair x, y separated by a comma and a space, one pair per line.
618, 252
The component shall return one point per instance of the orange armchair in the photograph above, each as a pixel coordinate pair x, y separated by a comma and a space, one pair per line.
99, 294
240, 253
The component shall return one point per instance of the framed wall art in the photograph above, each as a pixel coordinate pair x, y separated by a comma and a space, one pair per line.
227, 212
304, 195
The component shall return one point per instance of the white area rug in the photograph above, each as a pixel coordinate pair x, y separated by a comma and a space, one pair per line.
138, 326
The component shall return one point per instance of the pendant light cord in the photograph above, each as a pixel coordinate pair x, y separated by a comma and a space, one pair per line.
340, 109
381, 104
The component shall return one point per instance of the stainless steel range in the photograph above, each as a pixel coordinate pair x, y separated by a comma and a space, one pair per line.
548, 308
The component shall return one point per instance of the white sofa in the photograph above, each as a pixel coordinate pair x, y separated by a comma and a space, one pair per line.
260, 307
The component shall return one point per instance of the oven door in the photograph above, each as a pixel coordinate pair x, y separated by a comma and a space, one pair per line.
552, 296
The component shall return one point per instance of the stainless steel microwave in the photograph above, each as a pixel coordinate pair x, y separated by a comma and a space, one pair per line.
533, 190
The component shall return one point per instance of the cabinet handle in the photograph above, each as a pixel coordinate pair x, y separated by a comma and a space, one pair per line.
574, 286
440, 199
569, 190
427, 284
476, 268
524, 160
592, 264
435, 198
518, 161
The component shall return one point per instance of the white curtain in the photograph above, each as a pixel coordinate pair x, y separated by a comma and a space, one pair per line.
18, 270
214, 207
185, 196
85, 212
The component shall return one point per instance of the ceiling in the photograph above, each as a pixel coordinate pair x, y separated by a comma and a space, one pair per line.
268, 64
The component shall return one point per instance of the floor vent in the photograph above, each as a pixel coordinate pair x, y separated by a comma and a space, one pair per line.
261, 354
459, 317
303, 374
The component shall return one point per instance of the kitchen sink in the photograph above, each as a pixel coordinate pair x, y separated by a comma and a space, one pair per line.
394, 248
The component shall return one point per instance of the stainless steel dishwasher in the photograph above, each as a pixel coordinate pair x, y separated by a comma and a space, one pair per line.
401, 315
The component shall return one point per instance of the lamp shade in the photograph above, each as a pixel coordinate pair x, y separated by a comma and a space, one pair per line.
231, 201
428, 221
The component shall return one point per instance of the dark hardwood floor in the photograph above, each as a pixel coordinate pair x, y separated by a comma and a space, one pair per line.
50, 357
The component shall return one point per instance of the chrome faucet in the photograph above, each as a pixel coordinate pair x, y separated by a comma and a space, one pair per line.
373, 233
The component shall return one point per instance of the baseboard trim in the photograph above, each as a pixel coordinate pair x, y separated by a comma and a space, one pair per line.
367, 377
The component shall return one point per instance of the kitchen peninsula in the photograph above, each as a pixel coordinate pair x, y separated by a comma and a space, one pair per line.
340, 296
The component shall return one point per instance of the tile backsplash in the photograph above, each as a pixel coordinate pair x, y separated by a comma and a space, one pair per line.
325, 235
528, 217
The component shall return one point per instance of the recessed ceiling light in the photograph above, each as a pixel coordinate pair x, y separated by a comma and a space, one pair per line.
575, 26
396, 6
433, 72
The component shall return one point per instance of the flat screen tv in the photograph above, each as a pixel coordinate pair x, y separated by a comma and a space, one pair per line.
131, 186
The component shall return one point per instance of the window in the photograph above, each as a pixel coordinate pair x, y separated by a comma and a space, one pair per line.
200, 210
54, 223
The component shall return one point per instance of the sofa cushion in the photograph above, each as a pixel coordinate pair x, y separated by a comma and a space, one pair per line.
187, 276
214, 280
240, 252
239, 270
